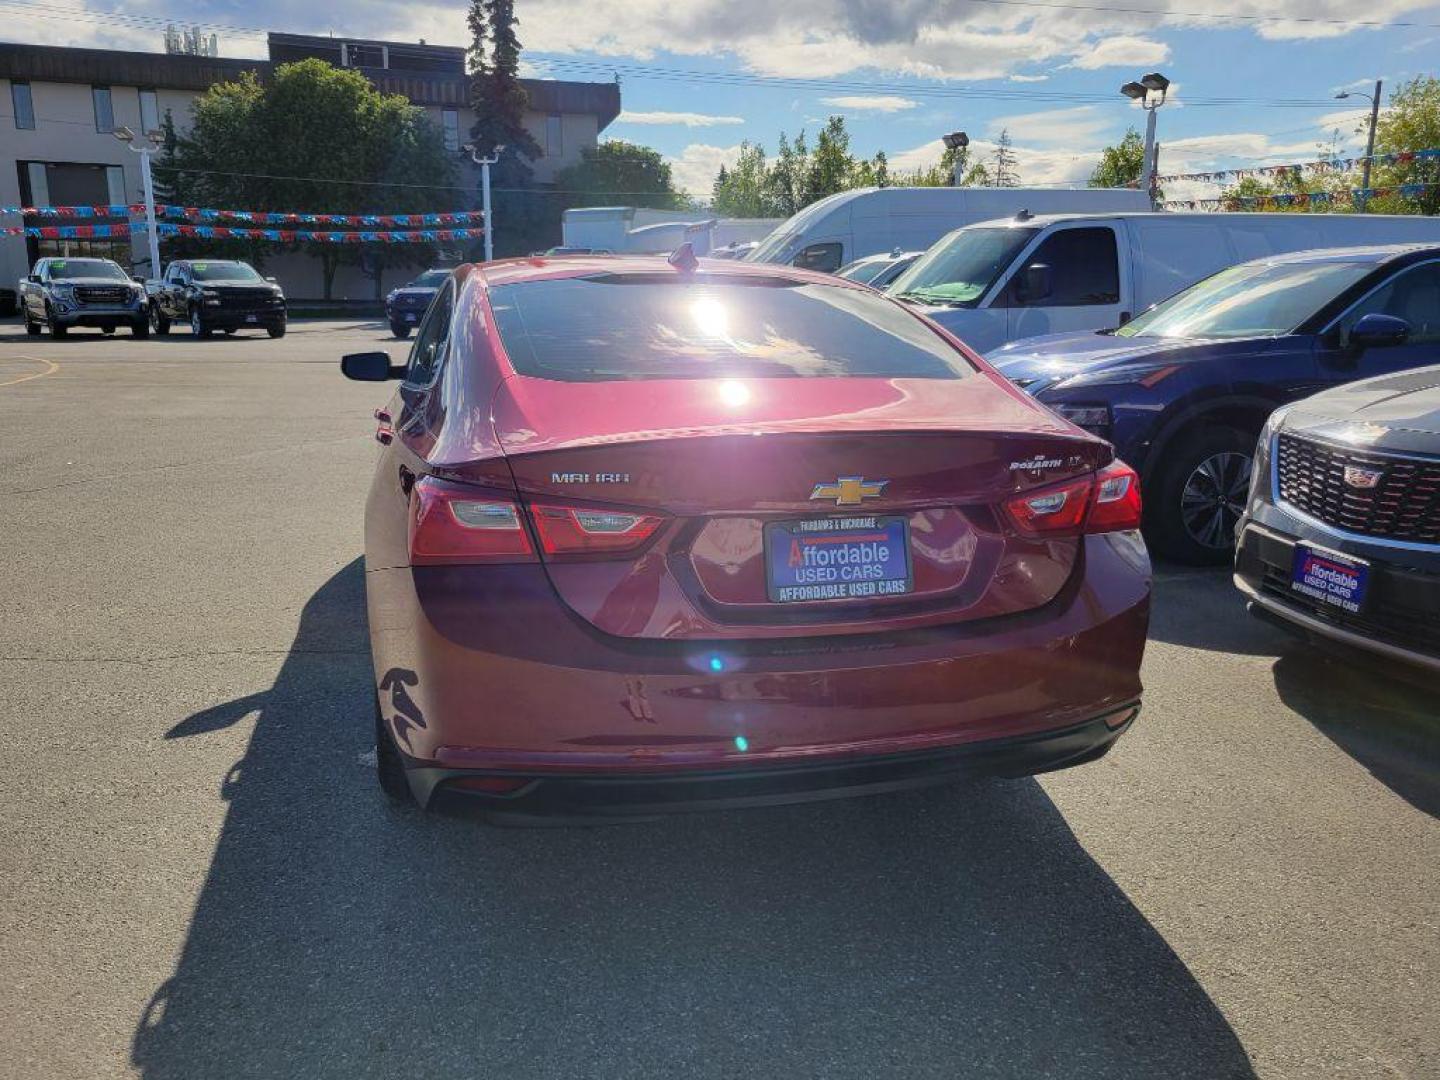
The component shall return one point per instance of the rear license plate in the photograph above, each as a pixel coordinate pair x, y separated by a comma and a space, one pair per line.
1330, 578
837, 558
409, 316
252, 318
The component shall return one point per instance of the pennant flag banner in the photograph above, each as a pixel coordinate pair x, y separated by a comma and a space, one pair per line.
1323, 165
267, 217
288, 236
67, 232
1301, 198
73, 211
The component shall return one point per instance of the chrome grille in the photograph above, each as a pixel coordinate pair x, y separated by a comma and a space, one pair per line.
1403, 504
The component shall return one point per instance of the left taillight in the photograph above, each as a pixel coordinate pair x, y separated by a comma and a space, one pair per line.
450, 525
1106, 501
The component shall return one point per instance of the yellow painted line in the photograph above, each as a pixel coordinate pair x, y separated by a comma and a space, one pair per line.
51, 368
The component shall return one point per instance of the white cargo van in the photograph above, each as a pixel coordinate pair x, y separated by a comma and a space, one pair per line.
1004, 280
866, 221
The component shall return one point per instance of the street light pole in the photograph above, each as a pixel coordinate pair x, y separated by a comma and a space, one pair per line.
957, 141
147, 180
1370, 142
1149, 91
485, 163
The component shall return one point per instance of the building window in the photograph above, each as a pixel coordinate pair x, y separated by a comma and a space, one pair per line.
357, 55
553, 145
149, 111
104, 109
24, 105
450, 123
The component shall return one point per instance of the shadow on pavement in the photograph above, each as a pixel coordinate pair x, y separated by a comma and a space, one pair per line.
1386, 719
1202, 609
957, 932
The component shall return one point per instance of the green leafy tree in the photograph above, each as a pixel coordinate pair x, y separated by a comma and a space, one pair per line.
832, 168
1411, 122
624, 173
314, 139
743, 189
786, 180
1120, 165
526, 217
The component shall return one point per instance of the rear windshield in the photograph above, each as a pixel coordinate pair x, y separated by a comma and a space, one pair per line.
223, 271
634, 326
431, 279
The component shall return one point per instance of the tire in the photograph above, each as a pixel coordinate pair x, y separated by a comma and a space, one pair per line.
197, 324
229, 331
389, 770
158, 322
140, 328
57, 329
400, 329
276, 331
1198, 495
107, 330
32, 327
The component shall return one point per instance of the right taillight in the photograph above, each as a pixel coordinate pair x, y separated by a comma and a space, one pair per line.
1106, 501
1117, 499
451, 525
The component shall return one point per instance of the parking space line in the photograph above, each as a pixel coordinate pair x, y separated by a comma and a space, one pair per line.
52, 368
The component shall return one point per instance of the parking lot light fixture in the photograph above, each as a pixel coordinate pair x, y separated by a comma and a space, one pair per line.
1149, 93
956, 140
1370, 142
485, 163
145, 148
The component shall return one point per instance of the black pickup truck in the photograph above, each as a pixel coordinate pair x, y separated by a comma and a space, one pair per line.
216, 294
65, 293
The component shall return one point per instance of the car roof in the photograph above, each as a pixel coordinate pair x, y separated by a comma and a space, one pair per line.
1372, 253
543, 268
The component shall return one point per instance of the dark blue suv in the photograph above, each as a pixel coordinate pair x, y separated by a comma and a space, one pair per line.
1184, 389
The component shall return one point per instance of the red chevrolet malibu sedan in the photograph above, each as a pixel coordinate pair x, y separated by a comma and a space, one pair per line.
654, 534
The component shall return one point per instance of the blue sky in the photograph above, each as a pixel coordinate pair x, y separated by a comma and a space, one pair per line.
700, 76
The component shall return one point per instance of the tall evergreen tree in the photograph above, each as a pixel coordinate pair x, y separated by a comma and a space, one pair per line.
1004, 173
524, 215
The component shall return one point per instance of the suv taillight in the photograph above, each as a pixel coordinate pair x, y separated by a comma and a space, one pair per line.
1106, 501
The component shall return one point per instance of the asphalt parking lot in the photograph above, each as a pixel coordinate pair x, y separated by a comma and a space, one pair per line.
198, 878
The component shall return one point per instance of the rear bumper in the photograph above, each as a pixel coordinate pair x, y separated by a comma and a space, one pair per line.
554, 797
482, 671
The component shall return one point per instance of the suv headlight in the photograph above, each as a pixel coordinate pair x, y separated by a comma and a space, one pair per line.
63, 292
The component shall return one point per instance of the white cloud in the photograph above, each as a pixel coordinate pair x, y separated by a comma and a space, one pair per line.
1083, 124
1122, 51
688, 119
1028, 78
695, 168
885, 103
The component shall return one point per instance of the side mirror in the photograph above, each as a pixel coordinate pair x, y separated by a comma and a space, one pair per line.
1036, 282
34, 279
1378, 330
272, 280
370, 367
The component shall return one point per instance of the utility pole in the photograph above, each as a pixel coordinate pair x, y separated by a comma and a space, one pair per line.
147, 180
1370, 142
485, 163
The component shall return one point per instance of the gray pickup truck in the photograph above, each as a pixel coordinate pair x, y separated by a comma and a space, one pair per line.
61, 293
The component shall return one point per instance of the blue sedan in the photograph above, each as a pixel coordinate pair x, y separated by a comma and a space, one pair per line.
1184, 389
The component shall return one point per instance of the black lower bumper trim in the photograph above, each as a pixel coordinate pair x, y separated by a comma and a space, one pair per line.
556, 797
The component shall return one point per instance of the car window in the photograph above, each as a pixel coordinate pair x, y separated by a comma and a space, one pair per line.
1084, 270
1413, 295
958, 271
68, 269
864, 271
649, 326
822, 257
431, 279
429, 348
224, 271
173, 274
1258, 299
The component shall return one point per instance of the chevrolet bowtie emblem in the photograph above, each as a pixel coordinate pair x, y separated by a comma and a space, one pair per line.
849, 490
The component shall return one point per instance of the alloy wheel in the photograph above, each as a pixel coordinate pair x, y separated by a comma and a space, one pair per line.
1213, 498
